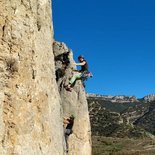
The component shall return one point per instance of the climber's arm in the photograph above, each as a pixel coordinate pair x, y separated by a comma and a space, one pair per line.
80, 64
66, 120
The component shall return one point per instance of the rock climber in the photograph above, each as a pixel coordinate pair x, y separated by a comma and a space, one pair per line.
68, 125
81, 74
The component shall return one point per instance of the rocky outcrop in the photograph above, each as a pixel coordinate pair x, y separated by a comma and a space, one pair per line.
73, 102
149, 98
32, 104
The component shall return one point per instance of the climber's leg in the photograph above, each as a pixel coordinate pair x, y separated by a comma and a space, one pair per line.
74, 78
66, 139
67, 133
72, 81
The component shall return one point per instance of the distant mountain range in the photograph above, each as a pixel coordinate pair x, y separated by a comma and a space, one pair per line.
123, 98
122, 116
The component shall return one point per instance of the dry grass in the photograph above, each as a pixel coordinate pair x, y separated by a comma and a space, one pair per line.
124, 146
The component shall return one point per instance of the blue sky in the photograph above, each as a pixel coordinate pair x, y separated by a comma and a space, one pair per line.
116, 37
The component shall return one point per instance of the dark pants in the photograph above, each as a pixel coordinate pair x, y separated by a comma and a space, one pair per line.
67, 133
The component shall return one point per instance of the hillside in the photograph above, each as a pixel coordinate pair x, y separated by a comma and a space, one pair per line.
147, 121
117, 114
124, 119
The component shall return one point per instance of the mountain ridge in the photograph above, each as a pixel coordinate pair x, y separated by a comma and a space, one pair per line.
123, 98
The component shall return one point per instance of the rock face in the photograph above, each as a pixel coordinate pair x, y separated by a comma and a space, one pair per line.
31, 117
31, 109
73, 102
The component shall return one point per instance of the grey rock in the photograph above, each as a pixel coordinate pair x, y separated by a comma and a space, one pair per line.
74, 103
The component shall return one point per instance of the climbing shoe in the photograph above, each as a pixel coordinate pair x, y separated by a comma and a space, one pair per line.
68, 88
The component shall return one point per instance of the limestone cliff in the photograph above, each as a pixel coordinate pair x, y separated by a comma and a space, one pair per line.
73, 102
29, 100
31, 109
